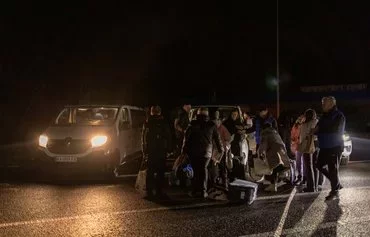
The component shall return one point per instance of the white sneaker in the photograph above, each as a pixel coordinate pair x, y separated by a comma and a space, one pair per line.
271, 188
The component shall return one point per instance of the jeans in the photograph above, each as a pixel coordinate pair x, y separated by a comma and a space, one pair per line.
328, 164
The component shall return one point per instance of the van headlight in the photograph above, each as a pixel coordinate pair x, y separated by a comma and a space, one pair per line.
98, 141
345, 137
43, 141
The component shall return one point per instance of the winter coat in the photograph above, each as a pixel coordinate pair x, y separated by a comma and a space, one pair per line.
306, 139
274, 148
156, 136
200, 139
331, 128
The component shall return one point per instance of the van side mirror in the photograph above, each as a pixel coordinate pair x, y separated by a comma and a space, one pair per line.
124, 125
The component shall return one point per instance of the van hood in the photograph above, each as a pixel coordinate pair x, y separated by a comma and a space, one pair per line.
77, 132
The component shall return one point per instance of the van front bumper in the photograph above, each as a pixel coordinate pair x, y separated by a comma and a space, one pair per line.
98, 159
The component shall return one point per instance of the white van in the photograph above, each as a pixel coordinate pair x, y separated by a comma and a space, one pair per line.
101, 136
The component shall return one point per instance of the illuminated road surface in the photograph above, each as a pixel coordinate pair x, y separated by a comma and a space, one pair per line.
85, 208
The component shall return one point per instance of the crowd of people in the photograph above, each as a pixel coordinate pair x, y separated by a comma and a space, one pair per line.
312, 145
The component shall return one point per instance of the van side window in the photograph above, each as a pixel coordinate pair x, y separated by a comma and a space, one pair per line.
138, 118
63, 118
125, 117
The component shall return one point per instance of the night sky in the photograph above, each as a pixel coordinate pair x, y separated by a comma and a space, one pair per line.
166, 52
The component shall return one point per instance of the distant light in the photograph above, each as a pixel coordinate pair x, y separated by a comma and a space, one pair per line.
271, 83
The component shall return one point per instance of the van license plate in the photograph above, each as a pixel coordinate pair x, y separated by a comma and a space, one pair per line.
66, 159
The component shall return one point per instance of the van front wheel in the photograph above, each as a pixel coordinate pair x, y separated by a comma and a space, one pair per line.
110, 169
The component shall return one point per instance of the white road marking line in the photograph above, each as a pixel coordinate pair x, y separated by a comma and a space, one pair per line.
135, 175
280, 227
107, 214
312, 228
358, 161
281, 196
126, 176
199, 205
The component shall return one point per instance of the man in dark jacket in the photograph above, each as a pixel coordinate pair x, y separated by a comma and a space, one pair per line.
156, 143
330, 131
198, 145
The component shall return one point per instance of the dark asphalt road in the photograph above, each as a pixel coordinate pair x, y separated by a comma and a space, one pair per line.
92, 208
32, 204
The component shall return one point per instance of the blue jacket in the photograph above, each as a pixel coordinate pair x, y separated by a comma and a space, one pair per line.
259, 122
331, 128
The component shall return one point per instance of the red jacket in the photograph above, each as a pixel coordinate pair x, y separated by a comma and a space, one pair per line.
224, 134
294, 136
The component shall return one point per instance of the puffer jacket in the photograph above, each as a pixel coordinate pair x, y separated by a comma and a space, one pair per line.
200, 138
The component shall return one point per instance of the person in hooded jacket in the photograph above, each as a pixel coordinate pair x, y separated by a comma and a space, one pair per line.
200, 139
156, 144
273, 149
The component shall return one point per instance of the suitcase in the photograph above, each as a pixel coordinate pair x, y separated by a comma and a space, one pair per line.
242, 191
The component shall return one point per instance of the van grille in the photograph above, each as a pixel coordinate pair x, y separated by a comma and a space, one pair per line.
68, 146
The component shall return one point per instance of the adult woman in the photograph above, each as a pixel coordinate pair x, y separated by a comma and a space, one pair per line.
307, 148
273, 148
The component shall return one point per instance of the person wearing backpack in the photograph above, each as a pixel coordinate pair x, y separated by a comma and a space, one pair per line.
156, 144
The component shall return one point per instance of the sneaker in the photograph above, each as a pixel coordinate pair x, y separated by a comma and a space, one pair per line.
298, 181
271, 188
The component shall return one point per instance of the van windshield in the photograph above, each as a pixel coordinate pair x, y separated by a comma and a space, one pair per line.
92, 116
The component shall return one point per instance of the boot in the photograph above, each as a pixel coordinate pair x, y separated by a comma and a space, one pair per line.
271, 188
